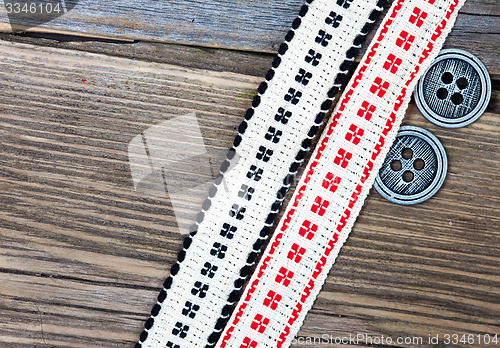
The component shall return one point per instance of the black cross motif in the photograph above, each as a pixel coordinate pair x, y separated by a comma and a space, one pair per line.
303, 77
264, 154
171, 345
293, 96
333, 19
283, 116
199, 289
255, 173
273, 135
237, 212
190, 309
209, 270
218, 250
344, 3
246, 192
228, 231
323, 38
180, 330
313, 57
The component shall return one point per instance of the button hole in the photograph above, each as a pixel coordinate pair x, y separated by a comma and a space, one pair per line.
396, 165
462, 83
407, 153
408, 176
419, 164
447, 77
457, 98
442, 93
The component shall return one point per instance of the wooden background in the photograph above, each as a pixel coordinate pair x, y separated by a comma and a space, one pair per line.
83, 255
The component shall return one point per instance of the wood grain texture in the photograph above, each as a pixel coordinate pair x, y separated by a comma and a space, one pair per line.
83, 255
254, 25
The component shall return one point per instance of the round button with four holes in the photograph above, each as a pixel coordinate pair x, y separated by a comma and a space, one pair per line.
455, 90
414, 168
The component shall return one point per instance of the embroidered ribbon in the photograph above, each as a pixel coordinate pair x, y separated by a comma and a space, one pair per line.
216, 259
339, 175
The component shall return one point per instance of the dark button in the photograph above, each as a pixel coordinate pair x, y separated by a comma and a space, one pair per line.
414, 168
455, 90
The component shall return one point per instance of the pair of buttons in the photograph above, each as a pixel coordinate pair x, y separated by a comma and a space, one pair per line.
453, 93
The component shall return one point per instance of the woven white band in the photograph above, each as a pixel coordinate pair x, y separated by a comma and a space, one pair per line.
343, 167
205, 282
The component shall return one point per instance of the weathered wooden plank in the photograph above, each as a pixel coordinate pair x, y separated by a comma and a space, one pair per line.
83, 255
247, 63
244, 25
